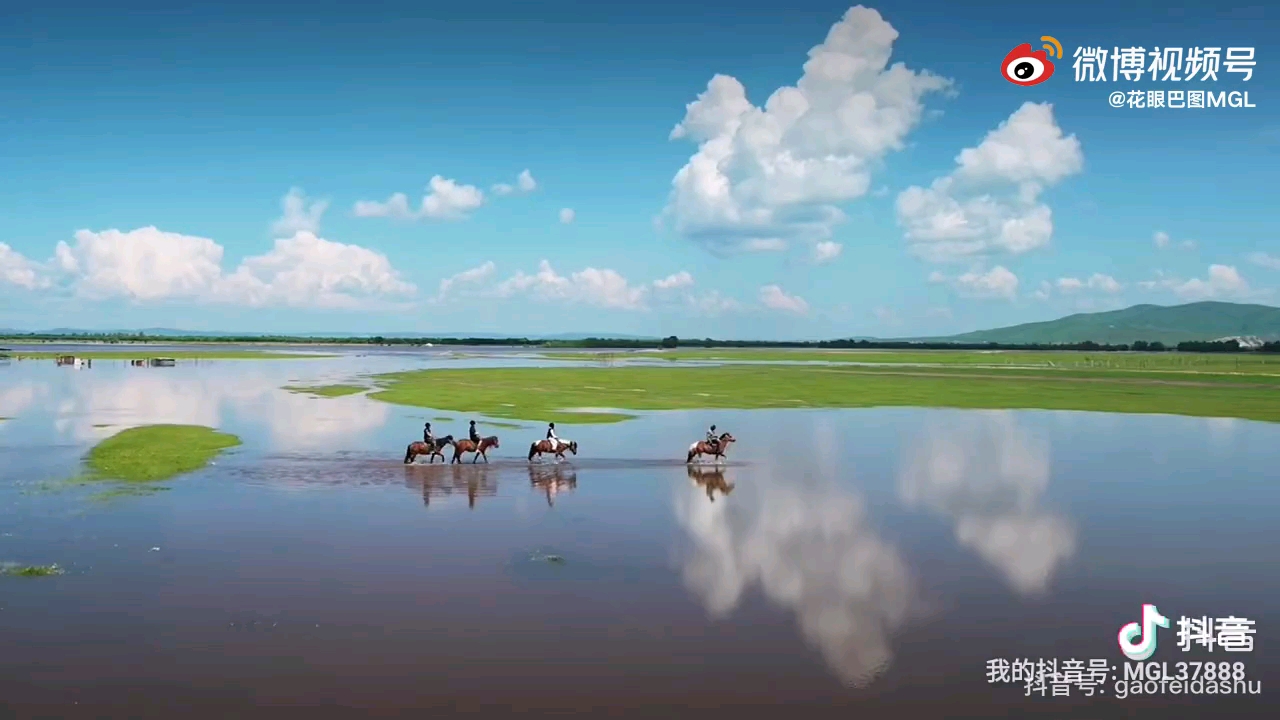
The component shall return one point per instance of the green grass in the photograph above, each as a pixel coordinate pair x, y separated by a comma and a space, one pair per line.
1165, 361
30, 570
175, 354
156, 452
327, 390
548, 393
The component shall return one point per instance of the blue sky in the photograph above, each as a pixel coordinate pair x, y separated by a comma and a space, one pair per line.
148, 154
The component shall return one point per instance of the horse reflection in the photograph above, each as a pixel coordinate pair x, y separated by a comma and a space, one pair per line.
448, 480
553, 479
710, 479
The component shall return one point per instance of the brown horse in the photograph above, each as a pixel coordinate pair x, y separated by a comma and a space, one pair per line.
702, 447
553, 447
466, 446
431, 451
710, 479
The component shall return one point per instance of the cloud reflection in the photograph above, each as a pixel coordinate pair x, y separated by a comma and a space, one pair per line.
988, 476
99, 405
808, 545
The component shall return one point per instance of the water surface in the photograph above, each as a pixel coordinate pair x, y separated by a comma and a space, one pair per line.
863, 561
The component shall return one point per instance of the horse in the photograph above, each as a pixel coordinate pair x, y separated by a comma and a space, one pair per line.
553, 447
702, 447
431, 451
466, 446
710, 479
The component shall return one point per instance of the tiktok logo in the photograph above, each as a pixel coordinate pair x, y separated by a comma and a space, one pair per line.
1143, 649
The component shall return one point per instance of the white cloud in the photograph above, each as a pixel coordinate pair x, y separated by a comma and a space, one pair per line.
299, 214
1044, 291
147, 265
775, 173
1223, 282
567, 215
681, 279
472, 276
764, 245
1097, 281
524, 183
938, 312
1162, 241
826, 251
774, 298
998, 282
886, 316
936, 278
990, 203
988, 477
1258, 258
16, 269
445, 200
591, 286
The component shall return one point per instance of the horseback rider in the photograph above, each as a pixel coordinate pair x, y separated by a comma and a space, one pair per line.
475, 434
712, 439
427, 436
551, 435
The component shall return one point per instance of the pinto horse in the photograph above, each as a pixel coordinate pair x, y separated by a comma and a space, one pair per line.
553, 447
466, 446
702, 447
431, 451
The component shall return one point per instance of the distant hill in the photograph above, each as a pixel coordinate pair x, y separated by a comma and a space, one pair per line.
1166, 324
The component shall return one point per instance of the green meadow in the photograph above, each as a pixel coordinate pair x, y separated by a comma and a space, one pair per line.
153, 453
591, 394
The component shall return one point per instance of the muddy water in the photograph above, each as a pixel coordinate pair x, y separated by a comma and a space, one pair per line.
868, 561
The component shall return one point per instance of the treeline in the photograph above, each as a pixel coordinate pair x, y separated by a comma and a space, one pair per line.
671, 342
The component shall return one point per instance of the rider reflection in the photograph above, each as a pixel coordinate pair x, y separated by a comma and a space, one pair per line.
710, 479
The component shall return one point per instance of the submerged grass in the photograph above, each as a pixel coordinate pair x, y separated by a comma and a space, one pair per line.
157, 452
327, 390
552, 393
30, 570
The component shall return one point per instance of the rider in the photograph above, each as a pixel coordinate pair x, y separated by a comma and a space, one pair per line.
712, 439
475, 434
427, 436
551, 434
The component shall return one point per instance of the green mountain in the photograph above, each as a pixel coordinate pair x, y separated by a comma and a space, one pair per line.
1169, 325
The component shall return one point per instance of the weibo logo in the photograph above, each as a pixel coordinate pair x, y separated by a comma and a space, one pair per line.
1146, 646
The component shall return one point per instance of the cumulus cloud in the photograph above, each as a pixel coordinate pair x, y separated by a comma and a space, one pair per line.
524, 184
591, 286
595, 287
445, 200
990, 204
1260, 259
1223, 282
471, 277
681, 279
16, 269
300, 214
147, 265
1043, 292
775, 173
997, 283
811, 549
774, 298
567, 215
988, 477
1162, 241
826, 251
1097, 281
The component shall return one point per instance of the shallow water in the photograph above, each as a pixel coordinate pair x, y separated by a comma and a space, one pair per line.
862, 561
